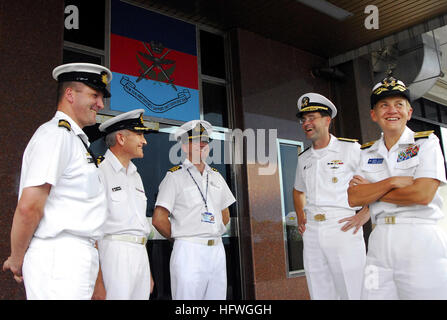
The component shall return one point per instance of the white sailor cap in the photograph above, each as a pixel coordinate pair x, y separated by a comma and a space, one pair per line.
131, 120
314, 102
194, 129
93, 75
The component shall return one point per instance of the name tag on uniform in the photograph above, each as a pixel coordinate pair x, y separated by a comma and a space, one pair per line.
208, 217
307, 166
375, 160
116, 189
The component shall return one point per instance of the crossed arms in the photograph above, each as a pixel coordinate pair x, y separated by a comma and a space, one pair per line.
400, 190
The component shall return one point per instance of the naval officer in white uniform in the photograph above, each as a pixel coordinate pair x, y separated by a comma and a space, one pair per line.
334, 257
124, 261
62, 203
399, 176
196, 197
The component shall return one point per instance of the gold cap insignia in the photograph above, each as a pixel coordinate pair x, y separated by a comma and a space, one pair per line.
104, 77
305, 102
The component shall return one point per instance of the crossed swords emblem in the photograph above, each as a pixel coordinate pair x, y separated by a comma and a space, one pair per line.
157, 62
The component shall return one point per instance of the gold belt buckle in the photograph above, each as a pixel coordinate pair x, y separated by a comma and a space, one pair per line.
211, 242
390, 220
320, 217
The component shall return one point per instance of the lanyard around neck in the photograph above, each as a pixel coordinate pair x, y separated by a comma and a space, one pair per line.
204, 198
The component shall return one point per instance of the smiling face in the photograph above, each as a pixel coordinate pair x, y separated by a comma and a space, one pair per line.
315, 125
86, 104
134, 143
196, 151
392, 114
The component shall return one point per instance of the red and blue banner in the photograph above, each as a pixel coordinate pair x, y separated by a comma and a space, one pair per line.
153, 59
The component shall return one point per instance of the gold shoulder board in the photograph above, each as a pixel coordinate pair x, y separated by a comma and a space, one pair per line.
214, 169
347, 140
422, 134
65, 124
175, 168
367, 145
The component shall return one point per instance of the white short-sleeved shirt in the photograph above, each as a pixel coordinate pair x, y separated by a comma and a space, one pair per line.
126, 198
417, 158
76, 203
180, 196
324, 175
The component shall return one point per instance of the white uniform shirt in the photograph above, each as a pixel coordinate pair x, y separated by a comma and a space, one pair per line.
76, 203
324, 175
126, 198
421, 158
180, 196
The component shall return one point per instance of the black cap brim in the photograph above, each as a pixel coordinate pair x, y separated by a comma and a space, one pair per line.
105, 92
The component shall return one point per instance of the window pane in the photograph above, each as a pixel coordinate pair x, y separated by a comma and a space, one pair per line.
289, 159
74, 56
91, 23
212, 55
443, 110
431, 111
416, 105
215, 104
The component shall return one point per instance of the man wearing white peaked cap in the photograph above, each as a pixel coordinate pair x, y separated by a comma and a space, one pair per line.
334, 254
62, 203
196, 197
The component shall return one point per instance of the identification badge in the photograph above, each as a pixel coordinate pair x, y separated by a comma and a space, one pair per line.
375, 160
208, 217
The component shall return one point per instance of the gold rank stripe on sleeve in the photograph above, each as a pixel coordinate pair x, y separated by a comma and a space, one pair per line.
348, 140
173, 169
423, 134
367, 145
64, 124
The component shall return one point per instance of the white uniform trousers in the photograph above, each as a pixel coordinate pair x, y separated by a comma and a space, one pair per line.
198, 271
61, 268
406, 261
125, 270
334, 260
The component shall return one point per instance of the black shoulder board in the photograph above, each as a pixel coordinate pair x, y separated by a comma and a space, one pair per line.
304, 151
214, 169
99, 159
422, 134
347, 140
367, 145
65, 124
175, 168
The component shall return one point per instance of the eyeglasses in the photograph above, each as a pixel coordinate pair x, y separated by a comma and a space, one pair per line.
308, 119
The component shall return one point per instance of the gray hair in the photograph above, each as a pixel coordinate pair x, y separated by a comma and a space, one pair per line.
111, 138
